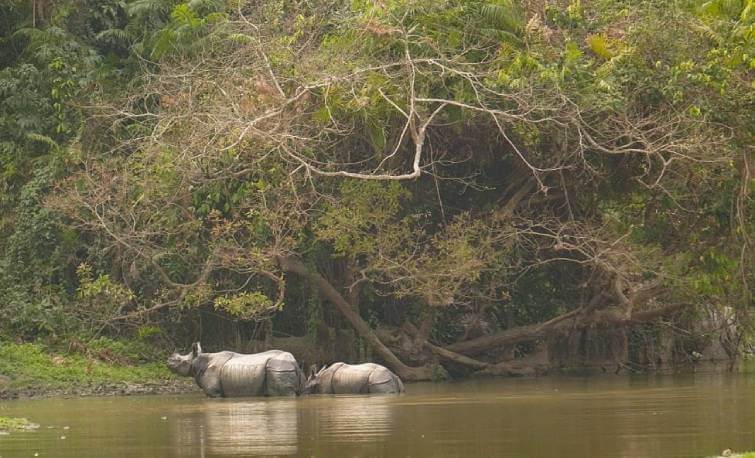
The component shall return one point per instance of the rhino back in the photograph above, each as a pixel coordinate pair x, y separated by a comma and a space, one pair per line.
244, 375
351, 379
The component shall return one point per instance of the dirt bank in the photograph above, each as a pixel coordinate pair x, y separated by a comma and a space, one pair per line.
101, 389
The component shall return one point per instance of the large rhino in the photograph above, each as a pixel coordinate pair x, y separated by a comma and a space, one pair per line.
230, 374
342, 378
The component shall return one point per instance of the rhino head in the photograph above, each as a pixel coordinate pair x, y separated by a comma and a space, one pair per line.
312, 385
181, 364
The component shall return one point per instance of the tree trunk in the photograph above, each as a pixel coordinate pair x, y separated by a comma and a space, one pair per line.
294, 265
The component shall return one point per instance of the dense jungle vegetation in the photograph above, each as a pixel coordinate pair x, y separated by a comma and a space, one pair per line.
445, 186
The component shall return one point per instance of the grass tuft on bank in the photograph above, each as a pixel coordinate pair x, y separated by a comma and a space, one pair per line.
36, 366
8, 424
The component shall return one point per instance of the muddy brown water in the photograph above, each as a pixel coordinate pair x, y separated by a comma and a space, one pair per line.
663, 416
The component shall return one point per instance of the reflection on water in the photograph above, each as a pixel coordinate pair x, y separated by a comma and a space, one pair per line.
352, 419
264, 427
693, 415
248, 427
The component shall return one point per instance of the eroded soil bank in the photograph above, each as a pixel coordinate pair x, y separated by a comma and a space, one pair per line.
100, 389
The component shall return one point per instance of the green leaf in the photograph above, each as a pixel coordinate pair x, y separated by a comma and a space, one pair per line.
600, 46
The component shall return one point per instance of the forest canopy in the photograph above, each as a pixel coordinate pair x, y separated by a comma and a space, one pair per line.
451, 182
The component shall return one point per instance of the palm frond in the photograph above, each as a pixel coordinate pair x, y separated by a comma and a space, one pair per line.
114, 36
504, 15
42, 139
146, 7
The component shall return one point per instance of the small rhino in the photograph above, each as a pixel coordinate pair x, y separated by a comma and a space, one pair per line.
342, 378
231, 374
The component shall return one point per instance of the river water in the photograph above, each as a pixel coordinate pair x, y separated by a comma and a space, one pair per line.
607, 416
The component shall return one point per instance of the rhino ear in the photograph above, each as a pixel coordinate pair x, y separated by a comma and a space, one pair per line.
196, 349
312, 371
322, 369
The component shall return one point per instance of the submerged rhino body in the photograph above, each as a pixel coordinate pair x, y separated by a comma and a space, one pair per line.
342, 378
231, 374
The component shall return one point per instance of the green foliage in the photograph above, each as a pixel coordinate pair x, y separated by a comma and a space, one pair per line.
247, 305
183, 183
365, 210
146, 332
600, 46
91, 288
503, 20
48, 67
33, 270
192, 28
140, 349
42, 73
100, 297
570, 17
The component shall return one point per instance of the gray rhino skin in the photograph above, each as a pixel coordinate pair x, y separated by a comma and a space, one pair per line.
231, 374
342, 378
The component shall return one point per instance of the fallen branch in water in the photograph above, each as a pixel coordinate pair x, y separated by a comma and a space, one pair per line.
611, 316
456, 357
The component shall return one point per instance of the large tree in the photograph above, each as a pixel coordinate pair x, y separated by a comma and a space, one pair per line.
445, 155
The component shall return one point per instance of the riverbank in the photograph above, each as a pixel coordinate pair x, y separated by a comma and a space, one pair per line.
114, 368
35, 371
